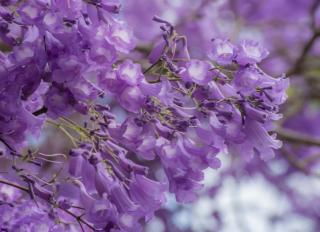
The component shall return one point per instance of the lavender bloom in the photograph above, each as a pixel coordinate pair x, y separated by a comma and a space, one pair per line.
222, 51
121, 37
130, 73
250, 52
197, 72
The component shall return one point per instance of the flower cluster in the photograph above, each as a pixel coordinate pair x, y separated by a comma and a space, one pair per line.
57, 49
66, 56
294, 45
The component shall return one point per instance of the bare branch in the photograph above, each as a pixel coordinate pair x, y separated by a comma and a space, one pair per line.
296, 137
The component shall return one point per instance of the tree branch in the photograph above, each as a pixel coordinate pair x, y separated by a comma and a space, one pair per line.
296, 137
297, 67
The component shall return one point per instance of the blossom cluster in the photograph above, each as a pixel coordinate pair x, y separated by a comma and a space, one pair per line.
57, 48
63, 57
293, 43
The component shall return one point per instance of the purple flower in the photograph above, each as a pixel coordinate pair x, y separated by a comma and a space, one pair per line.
197, 71
222, 51
103, 54
157, 51
59, 101
130, 73
147, 193
250, 52
131, 98
120, 37
246, 78
257, 140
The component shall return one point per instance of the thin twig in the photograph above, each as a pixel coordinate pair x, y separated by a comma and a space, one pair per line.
14, 185
150, 67
7, 145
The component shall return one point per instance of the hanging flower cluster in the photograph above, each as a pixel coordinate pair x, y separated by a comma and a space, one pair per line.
67, 56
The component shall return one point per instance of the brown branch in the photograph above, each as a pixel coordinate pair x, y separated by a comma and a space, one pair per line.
296, 137
297, 67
